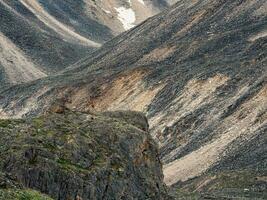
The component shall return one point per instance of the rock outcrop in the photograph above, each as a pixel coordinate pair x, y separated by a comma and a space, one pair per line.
81, 156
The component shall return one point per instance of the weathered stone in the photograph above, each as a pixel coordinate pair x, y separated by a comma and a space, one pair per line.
83, 156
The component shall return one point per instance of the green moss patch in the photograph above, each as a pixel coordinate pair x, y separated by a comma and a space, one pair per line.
15, 194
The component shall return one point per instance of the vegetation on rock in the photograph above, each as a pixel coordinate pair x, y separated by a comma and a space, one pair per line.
71, 155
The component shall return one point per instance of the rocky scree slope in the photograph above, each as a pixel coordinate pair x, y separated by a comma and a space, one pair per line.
199, 72
42, 37
70, 155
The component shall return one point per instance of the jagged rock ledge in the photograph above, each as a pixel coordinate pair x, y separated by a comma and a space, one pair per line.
74, 155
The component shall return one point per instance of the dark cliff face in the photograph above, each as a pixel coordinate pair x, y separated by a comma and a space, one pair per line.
199, 72
82, 156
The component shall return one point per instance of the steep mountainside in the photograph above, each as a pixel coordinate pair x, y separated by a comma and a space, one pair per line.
81, 156
199, 72
40, 37
15, 66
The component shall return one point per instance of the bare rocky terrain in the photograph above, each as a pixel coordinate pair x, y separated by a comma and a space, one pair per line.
44, 37
198, 71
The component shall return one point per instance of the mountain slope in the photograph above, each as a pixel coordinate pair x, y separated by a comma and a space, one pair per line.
15, 65
199, 72
52, 35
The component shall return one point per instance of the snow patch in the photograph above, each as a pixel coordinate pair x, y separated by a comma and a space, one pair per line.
106, 11
126, 17
141, 1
